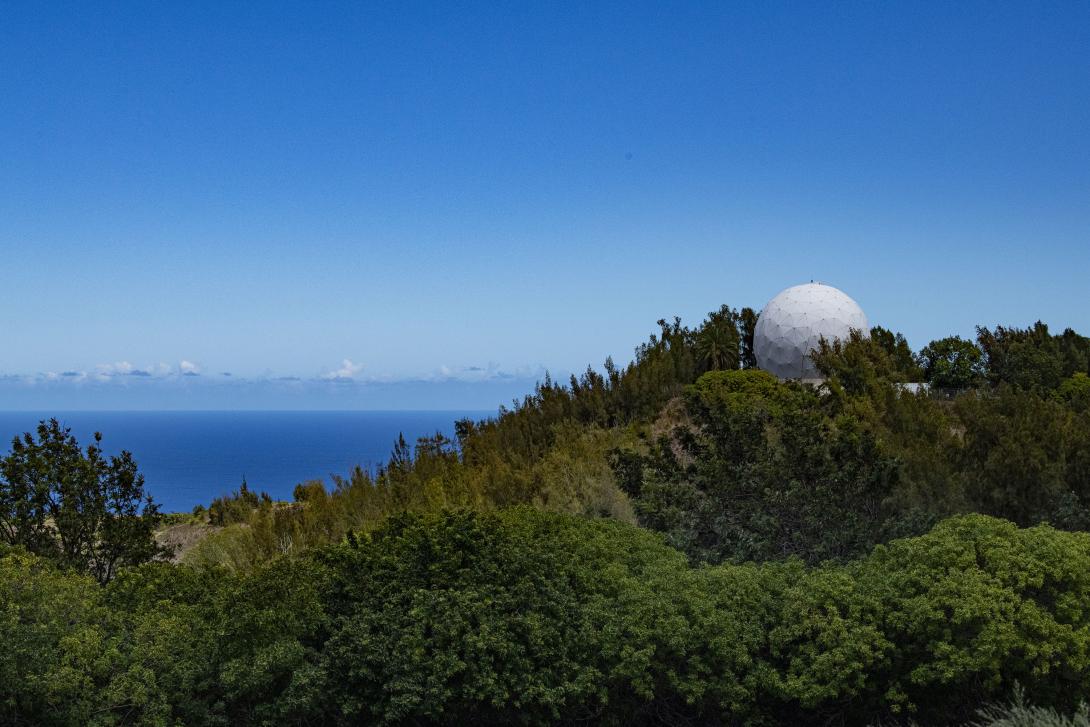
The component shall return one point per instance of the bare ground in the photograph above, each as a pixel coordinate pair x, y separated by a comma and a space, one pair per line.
181, 538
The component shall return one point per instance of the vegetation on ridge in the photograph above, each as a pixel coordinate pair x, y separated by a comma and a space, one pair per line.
684, 539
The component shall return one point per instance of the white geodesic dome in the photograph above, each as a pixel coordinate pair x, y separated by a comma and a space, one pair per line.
793, 323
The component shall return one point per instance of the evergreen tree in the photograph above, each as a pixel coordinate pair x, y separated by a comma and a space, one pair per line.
952, 363
76, 507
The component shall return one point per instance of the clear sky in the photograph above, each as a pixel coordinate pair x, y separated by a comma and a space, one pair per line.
397, 204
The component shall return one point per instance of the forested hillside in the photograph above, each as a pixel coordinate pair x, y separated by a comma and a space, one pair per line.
683, 539
691, 440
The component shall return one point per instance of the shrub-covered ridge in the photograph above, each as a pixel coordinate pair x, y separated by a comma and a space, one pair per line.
806, 555
534, 618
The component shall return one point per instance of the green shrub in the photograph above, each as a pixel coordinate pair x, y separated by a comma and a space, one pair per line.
237, 506
528, 617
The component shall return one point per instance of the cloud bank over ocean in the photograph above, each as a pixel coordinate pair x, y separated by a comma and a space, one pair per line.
190, 385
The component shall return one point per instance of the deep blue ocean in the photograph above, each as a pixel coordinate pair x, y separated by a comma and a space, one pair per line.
189, 457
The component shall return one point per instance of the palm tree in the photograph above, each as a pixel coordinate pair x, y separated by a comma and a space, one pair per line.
717, 341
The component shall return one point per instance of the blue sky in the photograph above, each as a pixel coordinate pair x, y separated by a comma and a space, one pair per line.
374, 206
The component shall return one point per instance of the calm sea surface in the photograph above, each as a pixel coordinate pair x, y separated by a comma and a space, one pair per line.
187, 458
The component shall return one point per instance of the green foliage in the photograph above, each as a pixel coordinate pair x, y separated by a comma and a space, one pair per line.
1013, 450
528, 617
76, 507
759, 469
1075, 351
1075, 392
718, 343
238, 506
1022, 455
1024, 358
572, 475
196, 517
1031, 358
952, 363
550, 450
271, 625
161, 669
575, 476
536, 618
456, 617
899, 353
427, 591
747, 324
982, 605
762, 474
734, 392
48, 624
856, 365
670, 360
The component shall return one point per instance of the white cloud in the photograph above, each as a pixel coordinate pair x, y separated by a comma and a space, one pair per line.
161, 370
161, 376
348, 370
490, 372
121, 368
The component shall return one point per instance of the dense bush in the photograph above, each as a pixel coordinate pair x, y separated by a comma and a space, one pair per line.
51, 631
238, 506
761, 472
536, 618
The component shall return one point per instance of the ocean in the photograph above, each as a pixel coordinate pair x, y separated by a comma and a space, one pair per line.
189, 457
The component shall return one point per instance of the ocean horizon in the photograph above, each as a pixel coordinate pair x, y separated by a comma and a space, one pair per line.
189, 457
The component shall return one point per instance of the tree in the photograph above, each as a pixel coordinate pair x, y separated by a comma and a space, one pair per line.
951, 363
762, 474
1075, 350
857, 364
1025, 358
969, 610
1021, 455
900, 354
78, 508
718, 341
1075, 392
747, 323
237, 506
